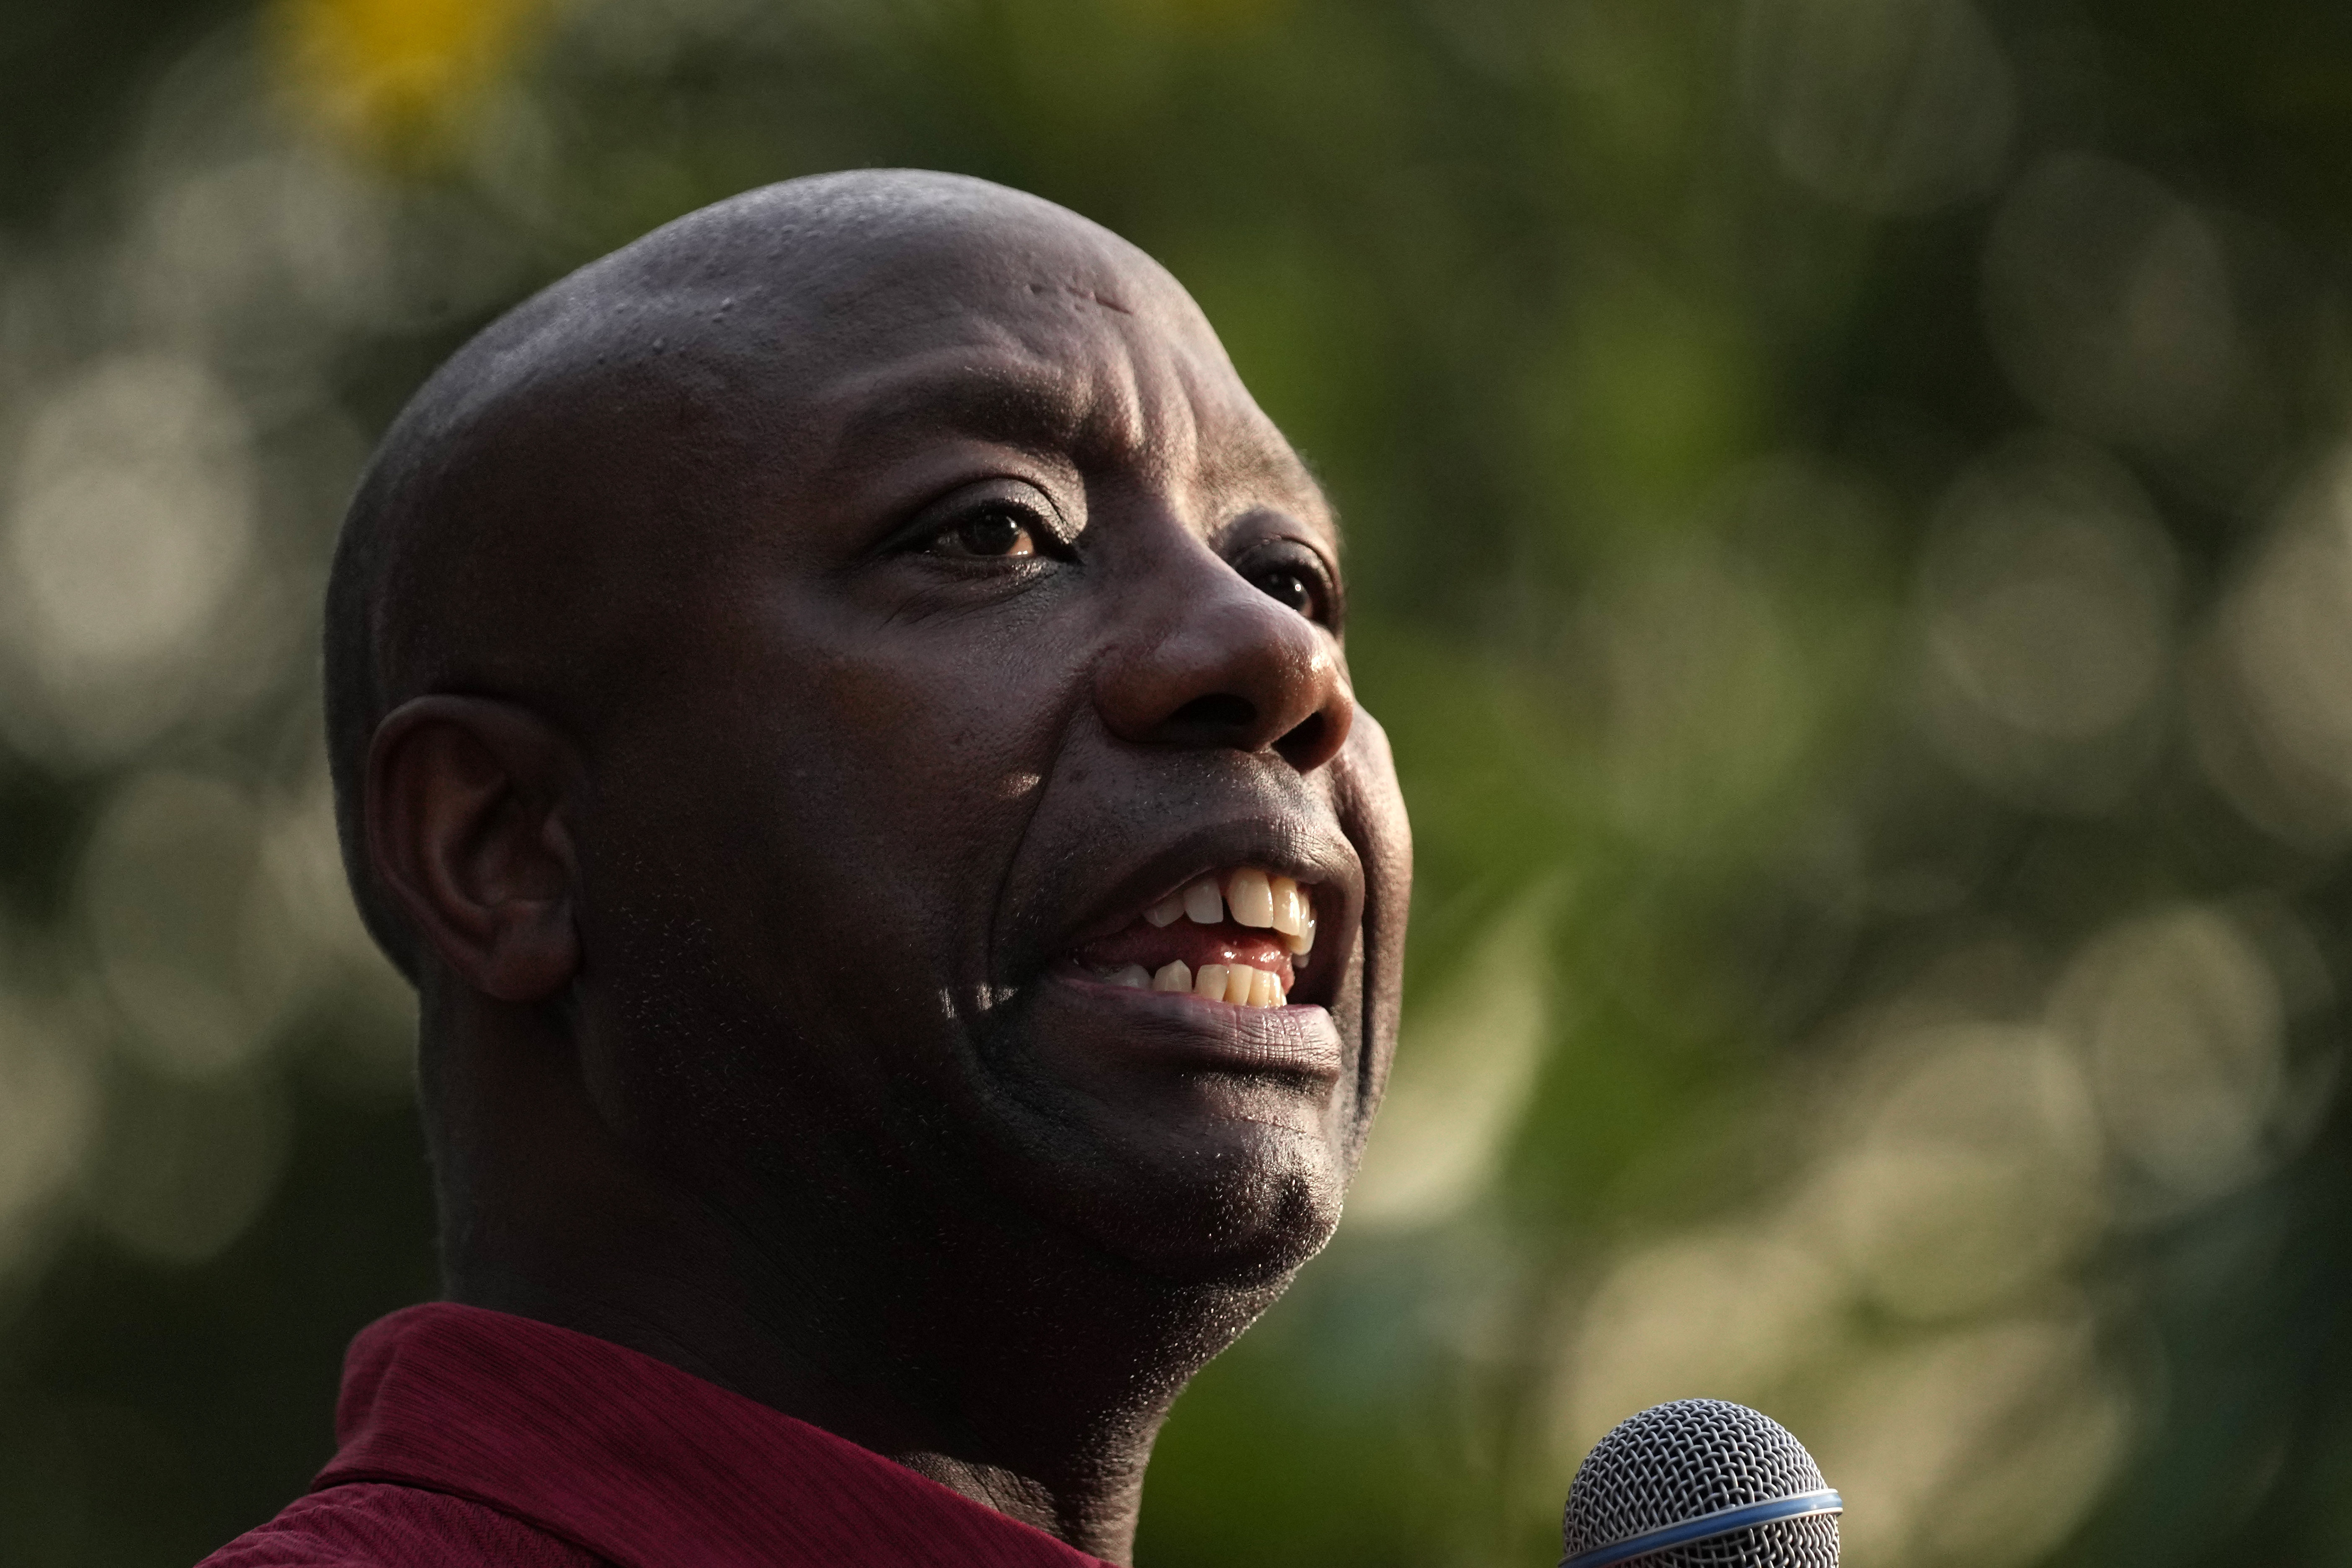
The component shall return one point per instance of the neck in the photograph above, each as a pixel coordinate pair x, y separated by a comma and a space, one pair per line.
1038, 1414
1012, 1363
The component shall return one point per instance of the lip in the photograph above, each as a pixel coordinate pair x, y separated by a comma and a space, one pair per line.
1319, 859
1191, 1033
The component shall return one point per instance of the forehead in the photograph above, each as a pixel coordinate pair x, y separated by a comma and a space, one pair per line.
1065, 344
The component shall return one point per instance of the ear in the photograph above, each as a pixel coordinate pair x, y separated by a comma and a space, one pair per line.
466, 832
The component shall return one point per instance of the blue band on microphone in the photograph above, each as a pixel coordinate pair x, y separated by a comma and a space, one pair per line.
1708, 1526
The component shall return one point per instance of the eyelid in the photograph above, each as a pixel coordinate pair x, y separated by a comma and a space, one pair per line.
1251, 534
1291, 547
1053, 534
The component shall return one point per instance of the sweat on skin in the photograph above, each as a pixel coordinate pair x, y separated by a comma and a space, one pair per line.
840, 707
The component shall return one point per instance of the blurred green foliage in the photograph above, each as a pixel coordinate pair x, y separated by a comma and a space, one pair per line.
1851, 543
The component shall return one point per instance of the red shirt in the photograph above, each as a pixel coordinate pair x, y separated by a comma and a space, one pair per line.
470, 1438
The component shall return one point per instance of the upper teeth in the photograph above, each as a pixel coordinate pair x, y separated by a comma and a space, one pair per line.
1260, 899
1238, 983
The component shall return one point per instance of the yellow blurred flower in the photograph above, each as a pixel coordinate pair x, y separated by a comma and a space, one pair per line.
394, 76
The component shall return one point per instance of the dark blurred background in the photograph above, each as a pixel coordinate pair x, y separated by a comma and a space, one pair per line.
1851, 505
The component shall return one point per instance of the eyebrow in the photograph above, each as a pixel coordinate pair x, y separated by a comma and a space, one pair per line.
1015, 409
1286, 473
1036, 409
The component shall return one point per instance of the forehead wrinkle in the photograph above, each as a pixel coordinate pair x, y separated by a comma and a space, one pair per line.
1154, 399
1183, 417
1030, 404
1028, 401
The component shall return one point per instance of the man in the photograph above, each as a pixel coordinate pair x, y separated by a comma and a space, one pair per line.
839, 708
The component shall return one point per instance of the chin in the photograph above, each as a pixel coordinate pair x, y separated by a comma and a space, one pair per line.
1203, 1143
1245, 1217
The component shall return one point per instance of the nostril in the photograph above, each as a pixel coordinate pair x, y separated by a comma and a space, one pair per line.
1303, 741
1219, 712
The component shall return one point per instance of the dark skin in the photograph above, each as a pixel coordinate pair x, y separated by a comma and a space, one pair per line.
846, 653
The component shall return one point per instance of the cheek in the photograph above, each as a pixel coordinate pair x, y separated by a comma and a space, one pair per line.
858, 822
912, 784
786, 895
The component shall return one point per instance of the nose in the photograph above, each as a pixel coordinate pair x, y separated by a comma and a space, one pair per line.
1211, 662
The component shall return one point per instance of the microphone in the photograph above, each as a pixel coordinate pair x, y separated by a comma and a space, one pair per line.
1700, 1483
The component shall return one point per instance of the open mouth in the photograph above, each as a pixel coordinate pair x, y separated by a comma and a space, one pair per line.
1238, 936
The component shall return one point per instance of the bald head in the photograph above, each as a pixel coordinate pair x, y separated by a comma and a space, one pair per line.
592, 449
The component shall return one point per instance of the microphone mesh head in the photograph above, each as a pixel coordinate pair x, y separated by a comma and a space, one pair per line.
1677, 1461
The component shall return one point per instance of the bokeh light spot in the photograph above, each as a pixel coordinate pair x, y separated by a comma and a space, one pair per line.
1889, 106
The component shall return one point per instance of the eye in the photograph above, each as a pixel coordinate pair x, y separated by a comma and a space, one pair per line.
1288, 586
1295, 576
991, 531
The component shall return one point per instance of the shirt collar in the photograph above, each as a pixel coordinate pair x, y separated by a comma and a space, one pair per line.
637, 1461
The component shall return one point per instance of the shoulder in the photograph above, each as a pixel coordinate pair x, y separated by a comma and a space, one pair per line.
366, 1524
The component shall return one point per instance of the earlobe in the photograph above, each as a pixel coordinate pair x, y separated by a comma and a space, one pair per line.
466, 831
